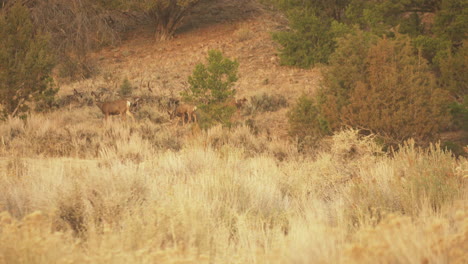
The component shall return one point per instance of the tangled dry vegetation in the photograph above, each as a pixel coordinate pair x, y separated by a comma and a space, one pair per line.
73, 190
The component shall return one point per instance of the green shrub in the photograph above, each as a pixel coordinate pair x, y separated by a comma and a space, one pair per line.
311, 39
431, 48
25, 62
126, 88
306, 122
459, 112
76, 68
453, 70
394, 94
451, 21
380, 86
211, 88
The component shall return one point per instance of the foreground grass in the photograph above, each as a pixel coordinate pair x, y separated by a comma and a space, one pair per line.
79, 192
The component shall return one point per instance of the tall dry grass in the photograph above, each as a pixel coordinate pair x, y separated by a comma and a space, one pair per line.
73, 190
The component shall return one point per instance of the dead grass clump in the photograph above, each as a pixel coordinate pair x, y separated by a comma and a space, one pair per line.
244, 33
242, 138
398, 239
72, 211
30, 241
408, 182
152, 114
266, 103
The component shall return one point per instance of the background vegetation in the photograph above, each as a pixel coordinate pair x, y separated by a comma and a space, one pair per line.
211, 89
240, 189
390, 63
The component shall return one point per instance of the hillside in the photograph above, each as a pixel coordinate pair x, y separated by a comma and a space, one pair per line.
75, 189
240, 29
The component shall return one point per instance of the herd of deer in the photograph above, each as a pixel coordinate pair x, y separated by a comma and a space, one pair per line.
178, 111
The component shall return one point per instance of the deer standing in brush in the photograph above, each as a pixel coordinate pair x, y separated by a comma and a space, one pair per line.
238, 104
183, 111
119, 107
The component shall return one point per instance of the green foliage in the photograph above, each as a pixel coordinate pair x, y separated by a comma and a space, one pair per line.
25, 62
349, 66
451, 20
459, 112
453, 70
333, 9
432, 48
394, 96
311, 39
126, 88
211, 88
378, 85
46, 100
305, 121
382, 17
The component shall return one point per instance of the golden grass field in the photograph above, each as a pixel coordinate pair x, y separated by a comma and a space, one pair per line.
79, 191
76, 190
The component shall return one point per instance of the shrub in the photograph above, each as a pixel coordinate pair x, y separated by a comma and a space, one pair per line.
419, 177
393, 94
167, 15
267, 103
77, 29
453, 71
459, 112
25, 62
306, 122
451, 21
211, 88
311, 40
126, 88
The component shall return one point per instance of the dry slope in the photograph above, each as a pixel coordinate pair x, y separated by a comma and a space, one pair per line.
240, 29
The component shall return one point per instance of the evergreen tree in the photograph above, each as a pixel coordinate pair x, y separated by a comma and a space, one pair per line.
25, 62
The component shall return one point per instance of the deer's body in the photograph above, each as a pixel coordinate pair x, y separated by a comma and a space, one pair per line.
238, 104
119, 107
182, 111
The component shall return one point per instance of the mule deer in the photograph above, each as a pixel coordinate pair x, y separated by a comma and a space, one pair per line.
119, 107
182, 111
238, 104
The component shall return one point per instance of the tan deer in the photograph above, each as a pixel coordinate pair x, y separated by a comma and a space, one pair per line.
238, 104
119, 107
183, 111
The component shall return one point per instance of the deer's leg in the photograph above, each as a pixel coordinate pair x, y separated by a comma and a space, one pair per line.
131, 115
194, 115
177, 119
189, 117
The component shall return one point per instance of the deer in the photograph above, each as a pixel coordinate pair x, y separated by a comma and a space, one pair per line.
238, 104
119, 107
182, 111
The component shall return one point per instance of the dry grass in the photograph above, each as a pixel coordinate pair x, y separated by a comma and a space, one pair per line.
125, 194
74, 190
